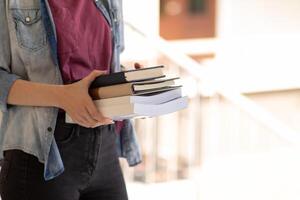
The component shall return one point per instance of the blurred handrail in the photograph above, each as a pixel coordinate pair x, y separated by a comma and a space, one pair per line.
194, 68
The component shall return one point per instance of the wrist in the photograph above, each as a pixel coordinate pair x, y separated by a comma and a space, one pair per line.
59, 94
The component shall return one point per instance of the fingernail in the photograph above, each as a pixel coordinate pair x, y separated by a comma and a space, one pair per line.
98, 124
109, 121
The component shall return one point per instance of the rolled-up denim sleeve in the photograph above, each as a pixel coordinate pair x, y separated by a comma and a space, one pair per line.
6, 77
6, 81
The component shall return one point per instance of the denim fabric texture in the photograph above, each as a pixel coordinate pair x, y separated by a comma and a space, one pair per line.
28, 50
95, 174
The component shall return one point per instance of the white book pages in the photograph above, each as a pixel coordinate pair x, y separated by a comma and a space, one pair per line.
156, 98
151, 86
145, 73
126, 111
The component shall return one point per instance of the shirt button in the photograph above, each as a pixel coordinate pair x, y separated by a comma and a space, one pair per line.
28, 19
49, 129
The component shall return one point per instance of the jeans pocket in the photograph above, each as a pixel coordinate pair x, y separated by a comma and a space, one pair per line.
30, 32
64, 133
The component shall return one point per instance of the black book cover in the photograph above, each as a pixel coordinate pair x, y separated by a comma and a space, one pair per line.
109, 79
115, 78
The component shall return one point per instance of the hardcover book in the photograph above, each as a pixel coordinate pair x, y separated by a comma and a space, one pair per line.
135, 88
128, 76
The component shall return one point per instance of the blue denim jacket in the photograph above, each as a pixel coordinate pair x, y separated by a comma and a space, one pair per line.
28, 51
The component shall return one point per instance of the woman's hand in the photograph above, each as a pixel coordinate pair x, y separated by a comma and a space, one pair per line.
76, 101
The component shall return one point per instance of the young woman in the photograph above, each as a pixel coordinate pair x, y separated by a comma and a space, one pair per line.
46, 45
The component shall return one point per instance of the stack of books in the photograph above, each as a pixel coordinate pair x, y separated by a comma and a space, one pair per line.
144, 92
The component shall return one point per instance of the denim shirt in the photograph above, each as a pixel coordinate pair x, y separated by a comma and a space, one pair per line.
28, 51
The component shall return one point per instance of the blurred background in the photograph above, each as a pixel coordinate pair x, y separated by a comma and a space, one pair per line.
239, 64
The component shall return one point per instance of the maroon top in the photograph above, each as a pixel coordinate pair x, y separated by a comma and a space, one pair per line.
83, 37
84, 40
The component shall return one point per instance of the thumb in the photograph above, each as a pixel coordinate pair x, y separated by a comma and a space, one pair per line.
94, 74
138, 65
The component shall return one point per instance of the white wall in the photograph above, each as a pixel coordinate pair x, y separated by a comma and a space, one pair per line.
246, 17
143, 14
259, 43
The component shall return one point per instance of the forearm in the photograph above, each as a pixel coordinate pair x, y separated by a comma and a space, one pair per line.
73, 98
28, 93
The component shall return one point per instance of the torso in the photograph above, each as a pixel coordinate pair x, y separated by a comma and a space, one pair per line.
83, 36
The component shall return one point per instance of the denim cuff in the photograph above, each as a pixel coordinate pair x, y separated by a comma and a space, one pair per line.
6, 81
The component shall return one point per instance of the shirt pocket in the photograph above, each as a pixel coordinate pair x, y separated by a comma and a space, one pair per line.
30, 32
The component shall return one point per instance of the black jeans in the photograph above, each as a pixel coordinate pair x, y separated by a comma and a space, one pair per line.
92, 169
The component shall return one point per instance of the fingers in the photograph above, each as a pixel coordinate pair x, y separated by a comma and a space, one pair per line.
89, 116
83, 118
94, 74
138, 66
96, 114
82, 109
90, 121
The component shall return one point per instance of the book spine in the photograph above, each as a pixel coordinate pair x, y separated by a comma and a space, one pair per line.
111, 91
